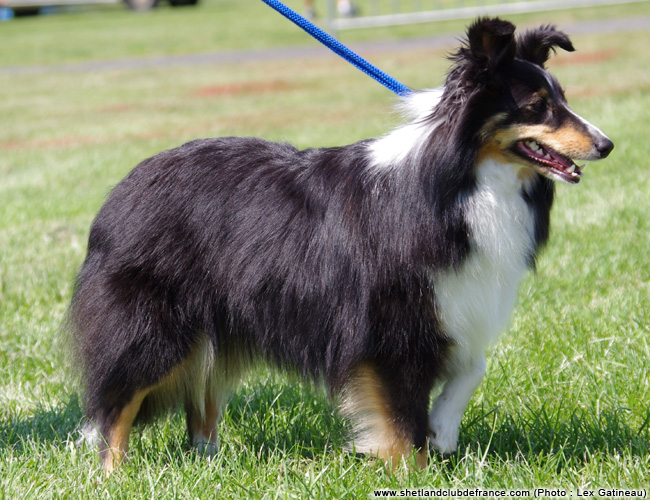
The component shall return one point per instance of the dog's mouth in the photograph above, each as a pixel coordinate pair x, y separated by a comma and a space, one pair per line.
548, 161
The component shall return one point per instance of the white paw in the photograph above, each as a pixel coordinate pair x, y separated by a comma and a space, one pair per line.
88, 436
443, 443
444, 429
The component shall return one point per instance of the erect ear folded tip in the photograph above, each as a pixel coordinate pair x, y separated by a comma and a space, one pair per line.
557, 37
536, 45
566, 44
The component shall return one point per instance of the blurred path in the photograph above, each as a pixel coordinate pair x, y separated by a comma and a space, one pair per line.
307, 51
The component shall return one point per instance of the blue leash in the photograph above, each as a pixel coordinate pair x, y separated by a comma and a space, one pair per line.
340, 49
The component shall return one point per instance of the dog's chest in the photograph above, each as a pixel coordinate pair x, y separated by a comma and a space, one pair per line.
474, 303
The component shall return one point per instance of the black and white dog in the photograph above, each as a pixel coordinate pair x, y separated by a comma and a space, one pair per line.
382, 267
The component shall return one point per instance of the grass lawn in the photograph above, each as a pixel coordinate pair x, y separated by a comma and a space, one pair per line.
565, 403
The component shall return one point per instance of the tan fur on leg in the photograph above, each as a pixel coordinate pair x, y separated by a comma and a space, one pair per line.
376, 432
118, 439
202, 426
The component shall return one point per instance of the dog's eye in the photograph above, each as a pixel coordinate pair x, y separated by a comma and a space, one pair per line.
538, 106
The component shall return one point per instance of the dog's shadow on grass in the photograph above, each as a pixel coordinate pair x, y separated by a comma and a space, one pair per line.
22, 431
544, 432
293, 418
260, 418
268, 418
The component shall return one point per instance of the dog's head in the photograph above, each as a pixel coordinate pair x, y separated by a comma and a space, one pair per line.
518, 107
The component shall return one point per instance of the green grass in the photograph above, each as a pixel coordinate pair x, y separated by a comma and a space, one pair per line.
113, 32
565, 400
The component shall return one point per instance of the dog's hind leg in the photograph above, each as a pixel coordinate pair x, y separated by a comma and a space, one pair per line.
208, 378
116, 429
132, 384
202, 424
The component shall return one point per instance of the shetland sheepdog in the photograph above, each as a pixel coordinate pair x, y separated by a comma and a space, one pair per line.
381, 268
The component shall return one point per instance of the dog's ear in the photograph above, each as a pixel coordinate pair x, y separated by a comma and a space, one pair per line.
492, 42
536, 45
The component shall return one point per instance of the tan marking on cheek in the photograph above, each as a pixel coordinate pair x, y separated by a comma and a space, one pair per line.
505, 138
493, 125
520, 132
492, 151
498, 149
525, 173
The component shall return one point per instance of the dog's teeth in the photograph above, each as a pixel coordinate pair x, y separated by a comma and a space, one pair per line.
571, 169
582, 167
547, 156
534, 146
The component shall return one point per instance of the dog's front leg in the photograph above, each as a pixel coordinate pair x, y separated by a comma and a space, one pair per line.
448, 408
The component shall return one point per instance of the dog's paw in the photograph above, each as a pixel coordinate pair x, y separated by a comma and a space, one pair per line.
88, 436
443, 432
444, 444
205, 446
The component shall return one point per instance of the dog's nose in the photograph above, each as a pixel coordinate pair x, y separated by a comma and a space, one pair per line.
604, 146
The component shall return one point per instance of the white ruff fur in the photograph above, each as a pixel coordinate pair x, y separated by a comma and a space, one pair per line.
475, 302
391, 150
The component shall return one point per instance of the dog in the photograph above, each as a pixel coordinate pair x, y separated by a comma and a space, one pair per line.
383, 268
